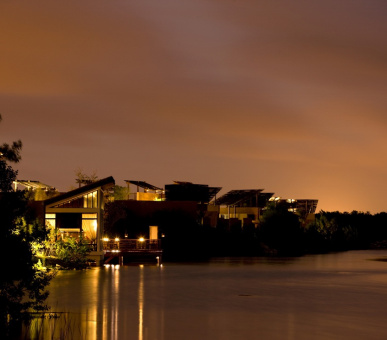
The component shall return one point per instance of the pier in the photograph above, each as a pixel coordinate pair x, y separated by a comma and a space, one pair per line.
132, 250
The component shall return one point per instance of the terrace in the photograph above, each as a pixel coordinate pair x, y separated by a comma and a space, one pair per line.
131, 248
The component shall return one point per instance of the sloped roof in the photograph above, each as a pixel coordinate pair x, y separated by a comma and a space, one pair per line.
307, 205
103, 183
235, 197
143, 185
34, 184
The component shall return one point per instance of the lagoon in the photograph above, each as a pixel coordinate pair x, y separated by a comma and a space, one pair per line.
330, 296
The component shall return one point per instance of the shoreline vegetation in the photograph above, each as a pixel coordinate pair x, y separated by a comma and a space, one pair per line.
280, 233
47, 325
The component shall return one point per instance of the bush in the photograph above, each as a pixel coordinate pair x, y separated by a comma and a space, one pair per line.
280, 231
72, 253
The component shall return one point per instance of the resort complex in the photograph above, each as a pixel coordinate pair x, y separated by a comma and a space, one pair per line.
138, 216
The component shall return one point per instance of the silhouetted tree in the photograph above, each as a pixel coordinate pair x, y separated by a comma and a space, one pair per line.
11, 152
22, 283
342, 231
84, 179
280, 231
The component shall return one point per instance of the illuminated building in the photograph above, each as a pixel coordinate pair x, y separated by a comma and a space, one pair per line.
80, 211
154, 215
150, 192
243, 207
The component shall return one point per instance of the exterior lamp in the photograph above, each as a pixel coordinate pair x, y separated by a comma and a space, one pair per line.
105, 239
116, 239
141, 239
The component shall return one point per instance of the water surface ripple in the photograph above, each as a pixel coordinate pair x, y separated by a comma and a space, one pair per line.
330, 296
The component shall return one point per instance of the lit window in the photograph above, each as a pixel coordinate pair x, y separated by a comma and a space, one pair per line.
90, 200
50, 220
94, 199
89, 226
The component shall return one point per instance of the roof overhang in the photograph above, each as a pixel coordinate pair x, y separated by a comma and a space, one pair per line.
144, 185
104, 184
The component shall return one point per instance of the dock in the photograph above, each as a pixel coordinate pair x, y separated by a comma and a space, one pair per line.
132, 250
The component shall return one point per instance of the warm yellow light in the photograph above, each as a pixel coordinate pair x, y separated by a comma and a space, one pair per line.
105, 239
116, 239
141, 239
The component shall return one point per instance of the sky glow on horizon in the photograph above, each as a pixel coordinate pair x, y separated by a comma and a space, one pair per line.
286, 96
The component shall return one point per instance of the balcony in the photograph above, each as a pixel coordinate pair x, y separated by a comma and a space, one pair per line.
131, 246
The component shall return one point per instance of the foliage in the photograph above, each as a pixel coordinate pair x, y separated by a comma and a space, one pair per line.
83, 179
120, 193
22, 284
343, 230
280, 230
72, 253
40, 194
8, 175
38, 236
10, 153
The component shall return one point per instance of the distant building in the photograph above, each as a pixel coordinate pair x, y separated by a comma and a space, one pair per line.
305, 208
32, 185
37, 191
243, 206
150, 192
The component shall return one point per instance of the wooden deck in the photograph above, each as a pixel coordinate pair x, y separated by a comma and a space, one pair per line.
132, 249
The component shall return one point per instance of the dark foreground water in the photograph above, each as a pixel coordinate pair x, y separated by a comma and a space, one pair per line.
331, 296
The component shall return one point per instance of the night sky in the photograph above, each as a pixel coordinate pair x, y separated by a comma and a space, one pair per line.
289, 96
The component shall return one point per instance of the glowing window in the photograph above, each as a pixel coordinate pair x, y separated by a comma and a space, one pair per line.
94, 199
51, 220
90, 200
89, 226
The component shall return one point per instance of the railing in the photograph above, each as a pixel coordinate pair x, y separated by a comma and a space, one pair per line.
91, 246
131, 245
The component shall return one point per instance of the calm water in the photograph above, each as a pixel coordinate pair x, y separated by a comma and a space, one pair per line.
331, 296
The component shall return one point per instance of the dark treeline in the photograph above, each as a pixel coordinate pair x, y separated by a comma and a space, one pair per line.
344, 231
279, 232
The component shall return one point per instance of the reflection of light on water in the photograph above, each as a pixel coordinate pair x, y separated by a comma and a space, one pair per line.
110, 312
141, 303
116, 279
91, 319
